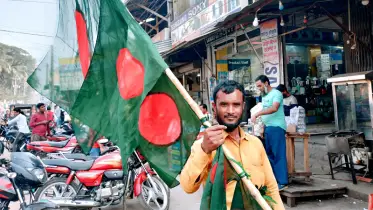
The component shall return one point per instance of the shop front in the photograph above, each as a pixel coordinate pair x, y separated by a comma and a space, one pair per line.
303, 64
234, 57
311, 57
190, 76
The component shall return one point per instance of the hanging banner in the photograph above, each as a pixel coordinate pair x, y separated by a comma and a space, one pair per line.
271, 53
201, 18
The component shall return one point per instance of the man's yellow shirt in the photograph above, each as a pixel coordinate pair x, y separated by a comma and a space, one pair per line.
249, 151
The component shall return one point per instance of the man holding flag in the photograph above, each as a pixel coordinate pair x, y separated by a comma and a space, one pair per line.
125, 89
247, 149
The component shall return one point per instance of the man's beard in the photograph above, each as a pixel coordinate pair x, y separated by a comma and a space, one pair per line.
265, 91
230, 126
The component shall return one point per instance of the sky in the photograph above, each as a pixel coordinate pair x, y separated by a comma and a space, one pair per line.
38, 17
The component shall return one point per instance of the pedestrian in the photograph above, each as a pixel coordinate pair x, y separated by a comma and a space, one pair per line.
204, 110
39, 124
7, 115
20, 121
50, 118
208, 116
273, 118
289, 100
247, 149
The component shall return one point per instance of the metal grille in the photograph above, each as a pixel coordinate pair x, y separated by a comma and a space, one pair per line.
361, 58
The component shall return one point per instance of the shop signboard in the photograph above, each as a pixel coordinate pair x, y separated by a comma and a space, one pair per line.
336, 58
220, 34
234, 64
201, 19
271, 54
70, 74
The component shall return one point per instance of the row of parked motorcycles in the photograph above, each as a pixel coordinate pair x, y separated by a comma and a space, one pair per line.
55, 174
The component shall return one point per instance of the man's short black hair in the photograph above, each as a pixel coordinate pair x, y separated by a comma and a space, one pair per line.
204, 106
282, 88
39, 105
263, 79
17, 110
49, 108
228, 86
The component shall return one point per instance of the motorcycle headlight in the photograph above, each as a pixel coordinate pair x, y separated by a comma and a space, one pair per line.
39, 173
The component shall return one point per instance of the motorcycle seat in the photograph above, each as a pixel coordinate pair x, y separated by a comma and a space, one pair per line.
58, 138
73, 165
58, 144
79, 156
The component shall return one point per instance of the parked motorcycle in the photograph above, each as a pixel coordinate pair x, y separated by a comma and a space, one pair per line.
102, 182
8, 134
24, 172
42, 148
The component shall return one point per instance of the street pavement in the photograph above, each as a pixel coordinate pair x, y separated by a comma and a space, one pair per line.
318, 160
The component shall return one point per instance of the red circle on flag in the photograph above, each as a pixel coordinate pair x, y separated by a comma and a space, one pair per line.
159, 120
130, 73
83, 44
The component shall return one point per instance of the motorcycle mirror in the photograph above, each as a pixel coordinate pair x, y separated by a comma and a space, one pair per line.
11, 175
103, 141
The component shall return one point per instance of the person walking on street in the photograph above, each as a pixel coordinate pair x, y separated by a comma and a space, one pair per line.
39, 124
273, 118
20, 121
246, 149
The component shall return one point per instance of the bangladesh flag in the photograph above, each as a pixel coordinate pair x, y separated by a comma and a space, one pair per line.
61, 73
221, 173
126, 95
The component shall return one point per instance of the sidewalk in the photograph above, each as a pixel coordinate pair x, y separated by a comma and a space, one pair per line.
316, 129
320, 169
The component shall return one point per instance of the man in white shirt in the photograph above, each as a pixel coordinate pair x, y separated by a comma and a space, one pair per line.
288, 98
19, 120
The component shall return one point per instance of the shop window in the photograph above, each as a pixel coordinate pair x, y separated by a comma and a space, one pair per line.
240, 64
233, 4
308, 68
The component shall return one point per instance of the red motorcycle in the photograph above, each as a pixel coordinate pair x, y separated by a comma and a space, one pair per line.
101, 182
42, 148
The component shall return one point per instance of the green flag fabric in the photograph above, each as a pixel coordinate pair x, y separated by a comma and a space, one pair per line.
127, 97
222, 172
106, 73
61, 73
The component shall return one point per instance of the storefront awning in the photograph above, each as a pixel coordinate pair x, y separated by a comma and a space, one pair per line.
246, 15
188, 44
270, 9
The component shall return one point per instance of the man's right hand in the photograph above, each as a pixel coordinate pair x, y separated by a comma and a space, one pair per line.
213, 137
43, 122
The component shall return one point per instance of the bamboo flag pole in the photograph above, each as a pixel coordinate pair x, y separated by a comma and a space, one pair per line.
250, 186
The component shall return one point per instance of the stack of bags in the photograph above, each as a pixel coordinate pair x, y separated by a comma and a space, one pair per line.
258, 126
297, 118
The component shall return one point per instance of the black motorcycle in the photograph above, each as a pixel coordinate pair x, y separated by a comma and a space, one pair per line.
8, 134
24, 172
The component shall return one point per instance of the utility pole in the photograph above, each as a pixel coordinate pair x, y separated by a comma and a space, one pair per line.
170, 14
52, 74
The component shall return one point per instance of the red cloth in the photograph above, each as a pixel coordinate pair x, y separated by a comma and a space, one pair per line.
96, 145
50, 116
40, 130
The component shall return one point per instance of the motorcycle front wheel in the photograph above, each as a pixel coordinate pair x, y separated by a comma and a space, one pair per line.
54, 188
154, 197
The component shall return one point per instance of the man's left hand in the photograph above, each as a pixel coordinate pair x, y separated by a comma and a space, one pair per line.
253, 119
